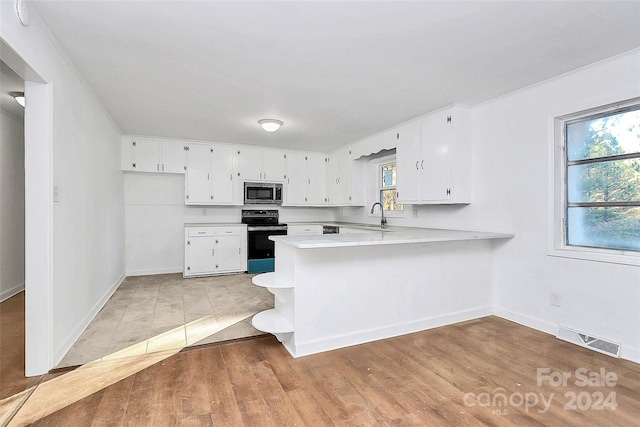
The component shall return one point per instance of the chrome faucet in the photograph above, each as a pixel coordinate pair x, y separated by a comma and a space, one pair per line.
383, 220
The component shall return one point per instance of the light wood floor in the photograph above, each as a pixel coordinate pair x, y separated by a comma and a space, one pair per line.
12, 379
447, 376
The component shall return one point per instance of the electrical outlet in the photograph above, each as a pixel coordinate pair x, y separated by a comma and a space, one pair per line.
555, 299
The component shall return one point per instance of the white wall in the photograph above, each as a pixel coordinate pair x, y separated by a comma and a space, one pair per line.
11, 205
88, 220
596, 297
155, 215
510, 172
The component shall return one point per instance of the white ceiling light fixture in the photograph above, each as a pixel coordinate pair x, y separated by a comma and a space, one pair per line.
19, 97
270, 125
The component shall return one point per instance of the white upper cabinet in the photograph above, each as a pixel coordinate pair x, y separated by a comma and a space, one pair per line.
152, 155
344, 179
306, 179
408, 160
434, 158
209, 175
261, 164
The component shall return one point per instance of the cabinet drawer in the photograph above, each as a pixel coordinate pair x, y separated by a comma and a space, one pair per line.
195, 232
304, 229
229, 231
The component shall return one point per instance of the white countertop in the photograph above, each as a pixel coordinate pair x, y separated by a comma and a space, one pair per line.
390, 236
214, 224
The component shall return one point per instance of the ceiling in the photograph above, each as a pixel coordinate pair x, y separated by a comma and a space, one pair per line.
333, 71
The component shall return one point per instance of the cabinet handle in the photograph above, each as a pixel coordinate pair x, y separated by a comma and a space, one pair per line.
239, 251
158, 167
422, 165
288, 181
309, 180
417, 161
207, 177
213, 252
163, 167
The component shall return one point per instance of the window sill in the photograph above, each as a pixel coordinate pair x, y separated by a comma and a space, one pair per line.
597, 255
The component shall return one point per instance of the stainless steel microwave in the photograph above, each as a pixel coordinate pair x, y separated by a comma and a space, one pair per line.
262, 193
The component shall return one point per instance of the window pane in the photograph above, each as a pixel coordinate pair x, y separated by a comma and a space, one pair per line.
614, 228
388, 198
606, 136
388, 176
607, 181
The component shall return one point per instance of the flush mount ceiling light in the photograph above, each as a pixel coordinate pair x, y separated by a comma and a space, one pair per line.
19, 97
270, 125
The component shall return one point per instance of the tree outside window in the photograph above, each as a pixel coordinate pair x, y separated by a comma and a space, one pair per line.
602, 207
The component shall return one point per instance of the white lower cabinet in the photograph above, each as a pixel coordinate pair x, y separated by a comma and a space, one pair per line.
301, 229
214, 249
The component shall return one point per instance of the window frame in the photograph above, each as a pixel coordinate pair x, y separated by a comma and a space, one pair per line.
558, 190
378, 164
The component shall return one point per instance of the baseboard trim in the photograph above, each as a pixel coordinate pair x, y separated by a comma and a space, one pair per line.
62, 350
155, 271
5, 295
628, 353
528, 321
361, 337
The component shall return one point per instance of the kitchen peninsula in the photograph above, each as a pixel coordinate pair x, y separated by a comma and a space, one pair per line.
339, 290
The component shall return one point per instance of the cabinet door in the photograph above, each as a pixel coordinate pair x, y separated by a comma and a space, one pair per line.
296, 184
229, 256
146, 155
434, 165
250, 164
460, 155
222, 172
333, 175
316, 179
173, 157
273, 165
198, 175
408, 160
200, 253
344, 177
126, 155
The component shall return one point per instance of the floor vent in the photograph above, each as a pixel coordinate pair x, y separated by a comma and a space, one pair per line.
585, 340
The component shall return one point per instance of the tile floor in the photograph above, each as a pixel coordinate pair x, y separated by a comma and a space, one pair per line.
160, 312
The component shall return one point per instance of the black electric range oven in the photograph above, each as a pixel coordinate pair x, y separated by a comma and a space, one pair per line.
261, 251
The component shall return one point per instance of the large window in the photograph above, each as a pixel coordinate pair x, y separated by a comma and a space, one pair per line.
387, 187
601, 168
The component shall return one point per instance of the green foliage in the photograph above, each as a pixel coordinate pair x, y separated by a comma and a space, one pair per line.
609, 181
